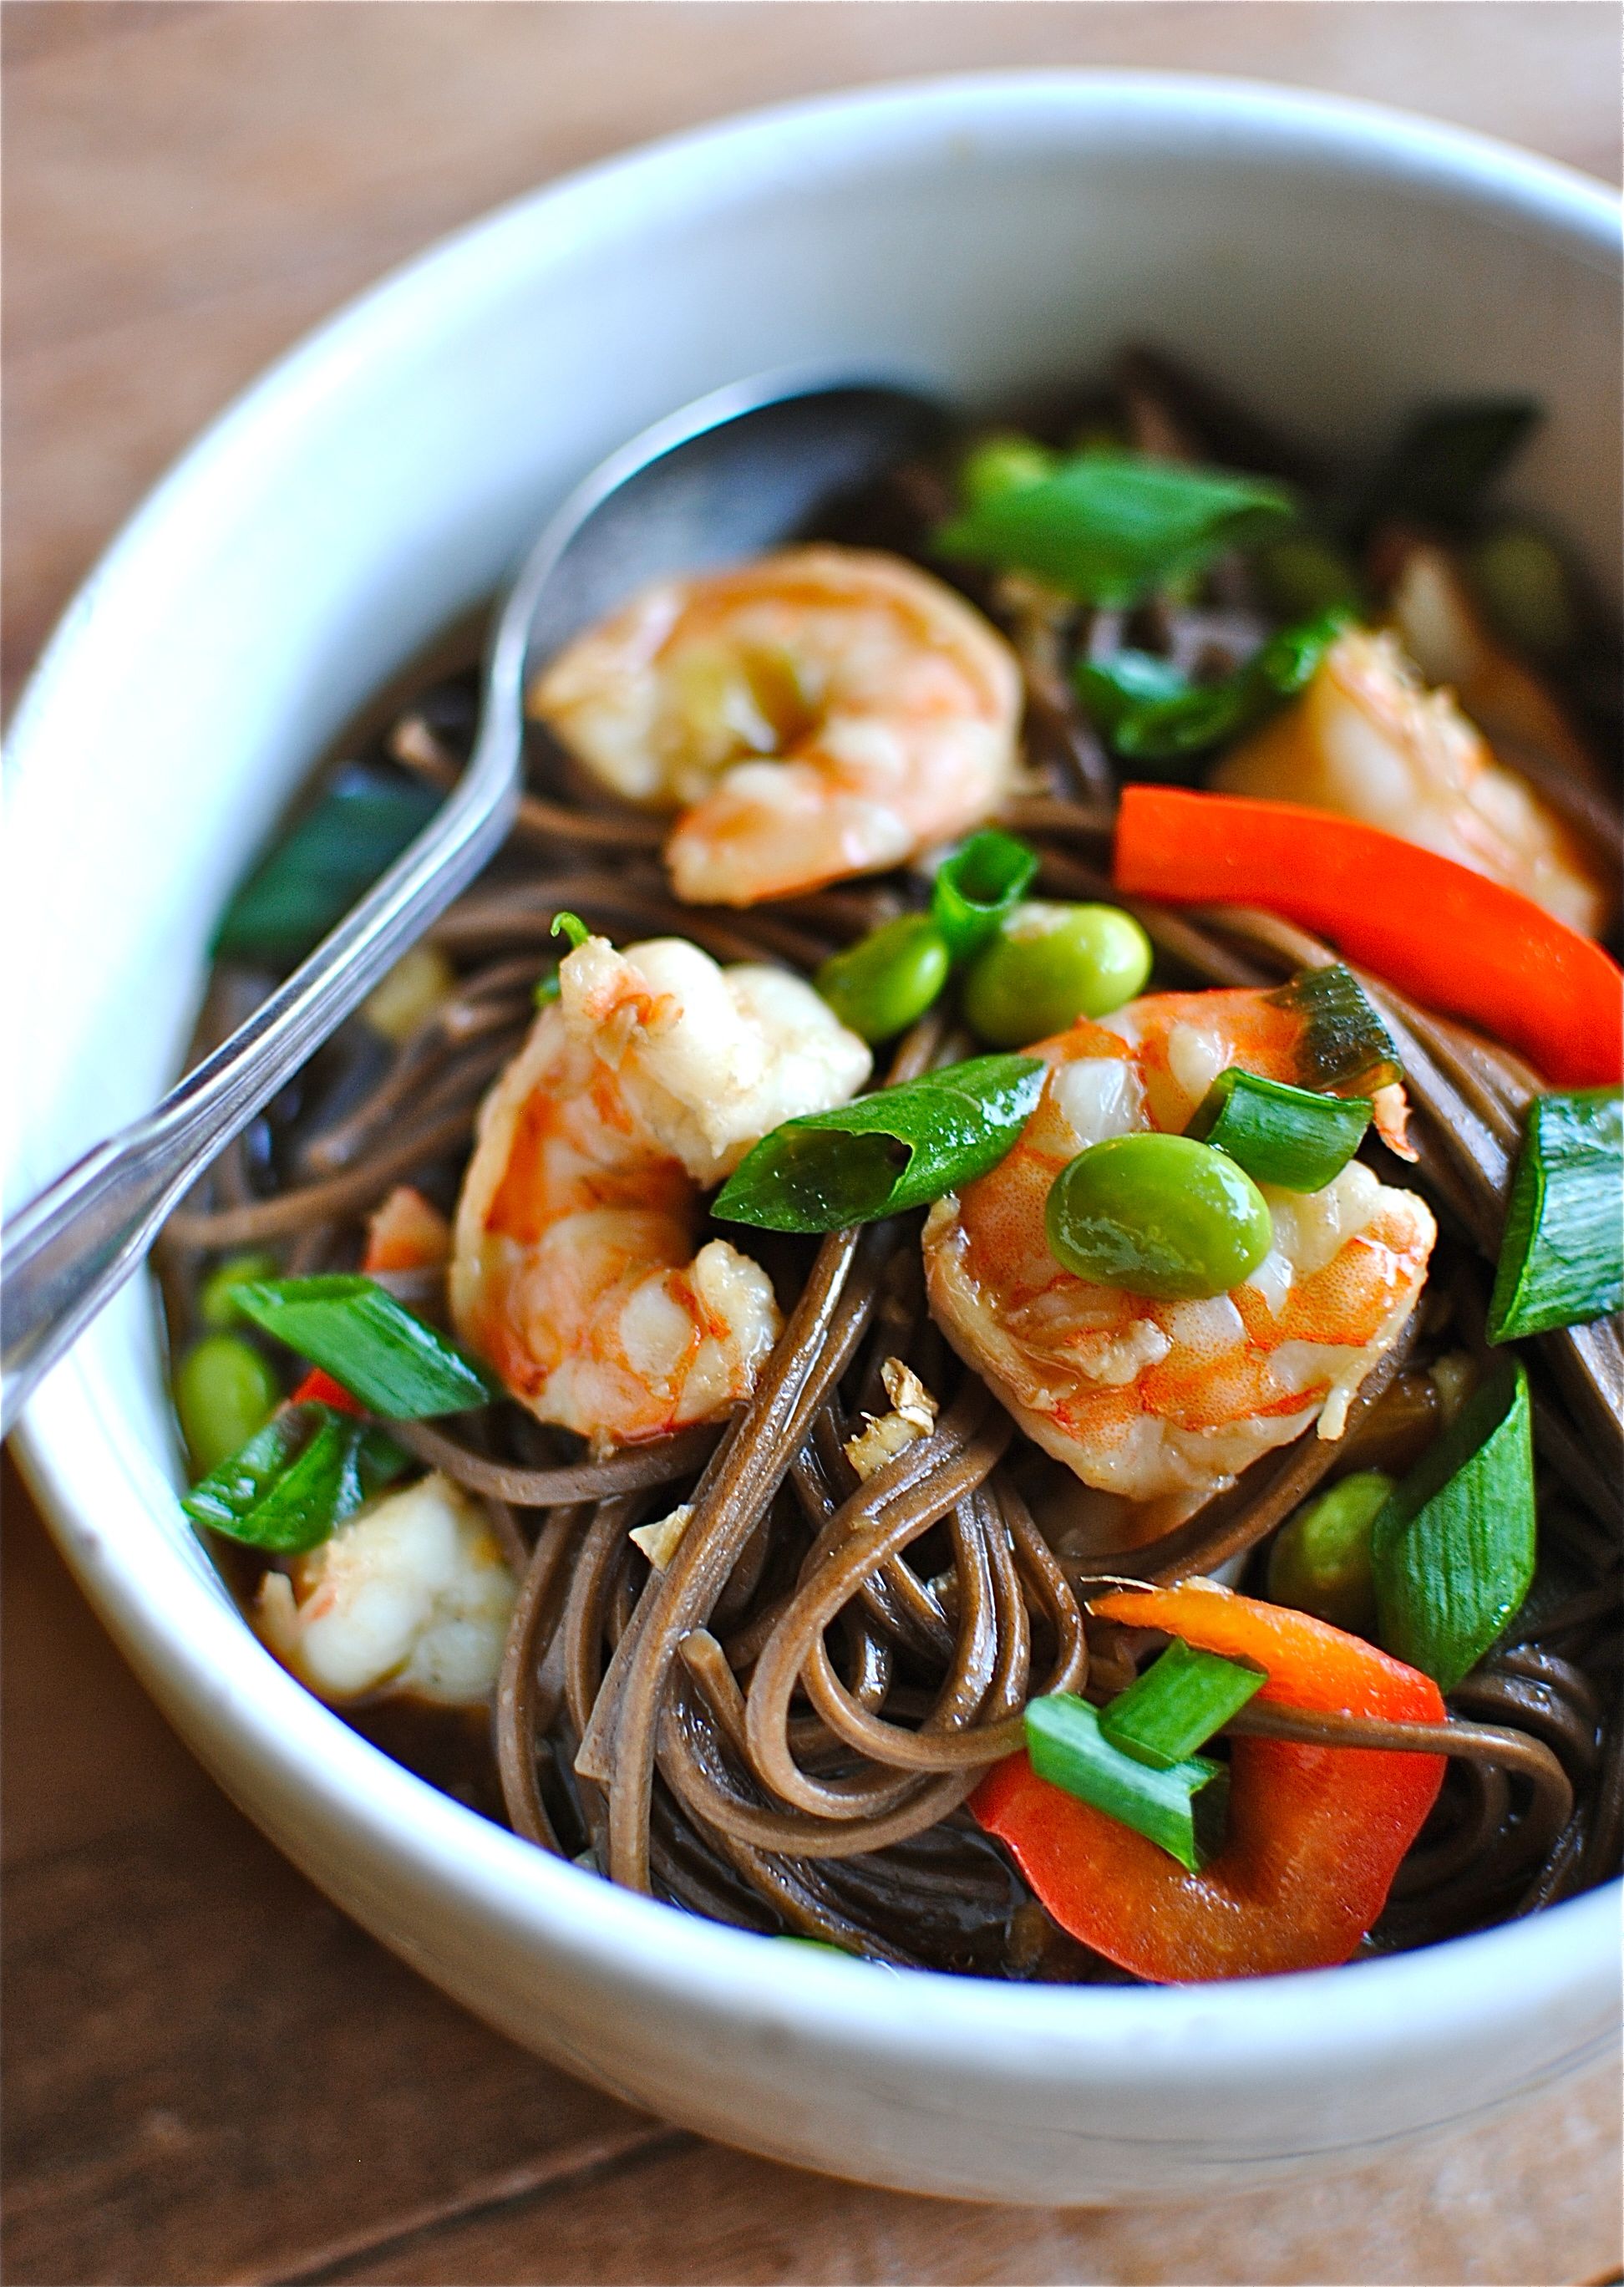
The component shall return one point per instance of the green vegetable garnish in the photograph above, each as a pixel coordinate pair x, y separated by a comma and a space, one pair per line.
1522, 584
888, 980
1070, 1749
224, 1391
323, 864
1449, 456
1281, 1134
1004, 463
1177, 1704
305, 1471
1051, 964
216, 1301
546, 988
1151, 712
571, 925
1158, 1215
977, 886
1320, 1562
1345, 1049
900, 1148
1562, 1258
1452, 1547
1111, 527
1302, 575
355, 1330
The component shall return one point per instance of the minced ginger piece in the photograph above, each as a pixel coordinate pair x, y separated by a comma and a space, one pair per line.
913, 1416
660, 1540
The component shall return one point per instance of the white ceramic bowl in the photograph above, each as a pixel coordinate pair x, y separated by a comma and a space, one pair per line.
1332, 264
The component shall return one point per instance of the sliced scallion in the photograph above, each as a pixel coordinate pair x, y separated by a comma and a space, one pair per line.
1279, 1135
974, 889
1453, 1548
1112, 526
325, 861
1069, 1750
302, 1475
1182, 1699
1151, 712
355, 1330
1345, 1047
1447, 457
1562, 1259
900, 1148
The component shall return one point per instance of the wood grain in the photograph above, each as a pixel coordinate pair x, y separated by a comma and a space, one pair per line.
210, 2075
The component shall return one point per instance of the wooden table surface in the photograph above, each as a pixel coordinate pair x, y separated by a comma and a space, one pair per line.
210, 2075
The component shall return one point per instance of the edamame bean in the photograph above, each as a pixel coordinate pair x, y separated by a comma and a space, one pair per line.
1522, 584
1158, 1215
1320, 1560
1302, 576
216, 1303
888, 980
224, 1391
1006, 462
1051, 964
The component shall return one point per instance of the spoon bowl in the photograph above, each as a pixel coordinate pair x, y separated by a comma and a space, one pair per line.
725, 478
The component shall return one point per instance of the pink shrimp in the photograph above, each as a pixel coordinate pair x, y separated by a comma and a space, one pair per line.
1167, 1402
824, 712
573, 1268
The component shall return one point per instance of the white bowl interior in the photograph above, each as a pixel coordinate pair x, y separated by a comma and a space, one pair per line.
1330, 265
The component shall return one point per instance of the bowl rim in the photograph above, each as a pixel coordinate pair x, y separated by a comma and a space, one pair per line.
175, 1625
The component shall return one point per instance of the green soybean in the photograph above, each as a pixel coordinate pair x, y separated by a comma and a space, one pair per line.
888, 980
1320, 1560
216, 1301
1162, 1215
1003, 463
1051, 964
1523, 585
1302, 575
224, 1391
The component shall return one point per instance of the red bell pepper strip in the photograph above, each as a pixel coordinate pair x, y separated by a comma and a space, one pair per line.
320, 1389
1455, 940
1315, 1834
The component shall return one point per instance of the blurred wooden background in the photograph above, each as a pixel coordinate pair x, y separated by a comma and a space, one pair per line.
210, 2075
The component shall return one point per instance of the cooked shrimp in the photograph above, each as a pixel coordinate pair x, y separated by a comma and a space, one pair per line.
573, 1269
1446, 635
410, 1598
1366, 739
1167, 1402
823, 712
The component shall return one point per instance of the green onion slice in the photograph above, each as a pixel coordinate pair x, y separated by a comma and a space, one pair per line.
1281, 1134
355, 1330
1449, 456
1068, 1748
1453, 1548
983, 879
1345, 1049
325, 860
1177, 1704
1150, 711
1562, 1259
1111, 527
298, 1478
898, 1149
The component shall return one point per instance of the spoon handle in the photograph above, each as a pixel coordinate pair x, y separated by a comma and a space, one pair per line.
72, 1247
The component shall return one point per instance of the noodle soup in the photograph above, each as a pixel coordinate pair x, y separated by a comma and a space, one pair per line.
1139, 1503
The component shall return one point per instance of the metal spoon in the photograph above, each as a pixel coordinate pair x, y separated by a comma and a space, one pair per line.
734, 473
